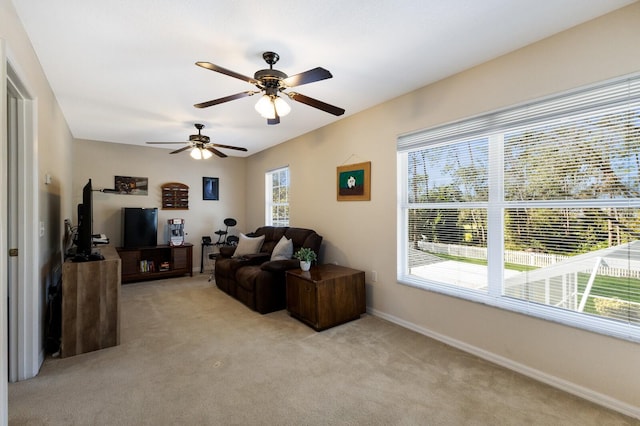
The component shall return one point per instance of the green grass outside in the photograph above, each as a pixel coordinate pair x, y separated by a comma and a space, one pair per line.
627, 289
483, 262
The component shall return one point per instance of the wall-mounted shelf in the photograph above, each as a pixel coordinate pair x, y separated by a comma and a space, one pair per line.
175, 196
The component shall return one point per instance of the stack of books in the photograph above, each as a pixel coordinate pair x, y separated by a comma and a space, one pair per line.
147, 266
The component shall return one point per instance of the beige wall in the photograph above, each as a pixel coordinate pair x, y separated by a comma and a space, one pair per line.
53, 135
102, 161
363, 234
52, 201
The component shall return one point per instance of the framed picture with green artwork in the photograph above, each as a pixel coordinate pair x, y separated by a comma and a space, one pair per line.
354, 182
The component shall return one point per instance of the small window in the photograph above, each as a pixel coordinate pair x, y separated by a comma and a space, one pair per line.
277, 197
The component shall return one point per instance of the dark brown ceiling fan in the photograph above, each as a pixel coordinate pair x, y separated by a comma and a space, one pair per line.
201, 145
271, 82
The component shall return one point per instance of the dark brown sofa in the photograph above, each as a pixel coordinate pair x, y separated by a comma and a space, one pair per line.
255, 279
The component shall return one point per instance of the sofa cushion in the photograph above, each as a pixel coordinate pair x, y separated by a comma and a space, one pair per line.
248, 245
246, 277
302, 237
272, 235
283, 250
280, 266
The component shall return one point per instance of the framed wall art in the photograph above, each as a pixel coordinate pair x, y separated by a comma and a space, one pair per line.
210, 188
354, 182
131, 185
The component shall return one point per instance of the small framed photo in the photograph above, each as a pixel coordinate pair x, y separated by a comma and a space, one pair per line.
210, 187
354, 182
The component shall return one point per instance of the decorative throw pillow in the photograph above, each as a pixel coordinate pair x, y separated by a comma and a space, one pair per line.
248, 245
283, 250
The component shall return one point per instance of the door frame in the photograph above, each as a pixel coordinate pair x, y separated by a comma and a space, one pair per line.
4, 256
29, 305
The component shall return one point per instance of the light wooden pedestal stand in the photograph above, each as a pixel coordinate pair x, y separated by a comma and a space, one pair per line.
91, 304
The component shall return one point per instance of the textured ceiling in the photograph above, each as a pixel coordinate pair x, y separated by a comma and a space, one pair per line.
123, 71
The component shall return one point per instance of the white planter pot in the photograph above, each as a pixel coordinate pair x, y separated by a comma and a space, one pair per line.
305, 265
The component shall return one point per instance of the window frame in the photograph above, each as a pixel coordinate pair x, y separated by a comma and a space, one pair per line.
608, 94
269, 193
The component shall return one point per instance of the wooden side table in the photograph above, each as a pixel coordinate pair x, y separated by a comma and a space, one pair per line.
326, 295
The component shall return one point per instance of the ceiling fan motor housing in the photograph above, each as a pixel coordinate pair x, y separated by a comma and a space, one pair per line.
271, 80
199, 138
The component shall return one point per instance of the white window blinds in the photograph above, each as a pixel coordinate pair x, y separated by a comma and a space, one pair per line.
535, 208
612, 94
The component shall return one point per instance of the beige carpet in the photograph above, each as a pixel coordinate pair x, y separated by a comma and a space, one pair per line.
191, 355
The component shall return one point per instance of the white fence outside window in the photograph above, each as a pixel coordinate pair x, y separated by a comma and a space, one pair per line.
538, 260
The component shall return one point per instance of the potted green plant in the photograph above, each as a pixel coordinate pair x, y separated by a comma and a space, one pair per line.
306, 256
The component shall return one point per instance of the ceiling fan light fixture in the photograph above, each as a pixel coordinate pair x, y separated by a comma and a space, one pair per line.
196, 154
282, 108
265, 107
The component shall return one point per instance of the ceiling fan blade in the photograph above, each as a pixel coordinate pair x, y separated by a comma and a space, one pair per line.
212, 67
180, 150
225, 99
216, 152
316, 103
228, 146
306, 77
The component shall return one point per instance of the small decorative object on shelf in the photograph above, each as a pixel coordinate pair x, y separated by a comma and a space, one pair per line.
306, 256
175, 196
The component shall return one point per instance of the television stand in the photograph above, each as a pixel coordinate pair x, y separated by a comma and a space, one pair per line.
156, 262
90, 304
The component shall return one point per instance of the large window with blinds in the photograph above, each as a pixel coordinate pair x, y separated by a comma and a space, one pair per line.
277, 197
535, 208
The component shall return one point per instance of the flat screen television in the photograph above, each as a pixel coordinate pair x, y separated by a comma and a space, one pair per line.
139, 227
83, 240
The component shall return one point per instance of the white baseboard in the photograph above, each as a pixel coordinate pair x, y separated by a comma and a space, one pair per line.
556, 382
